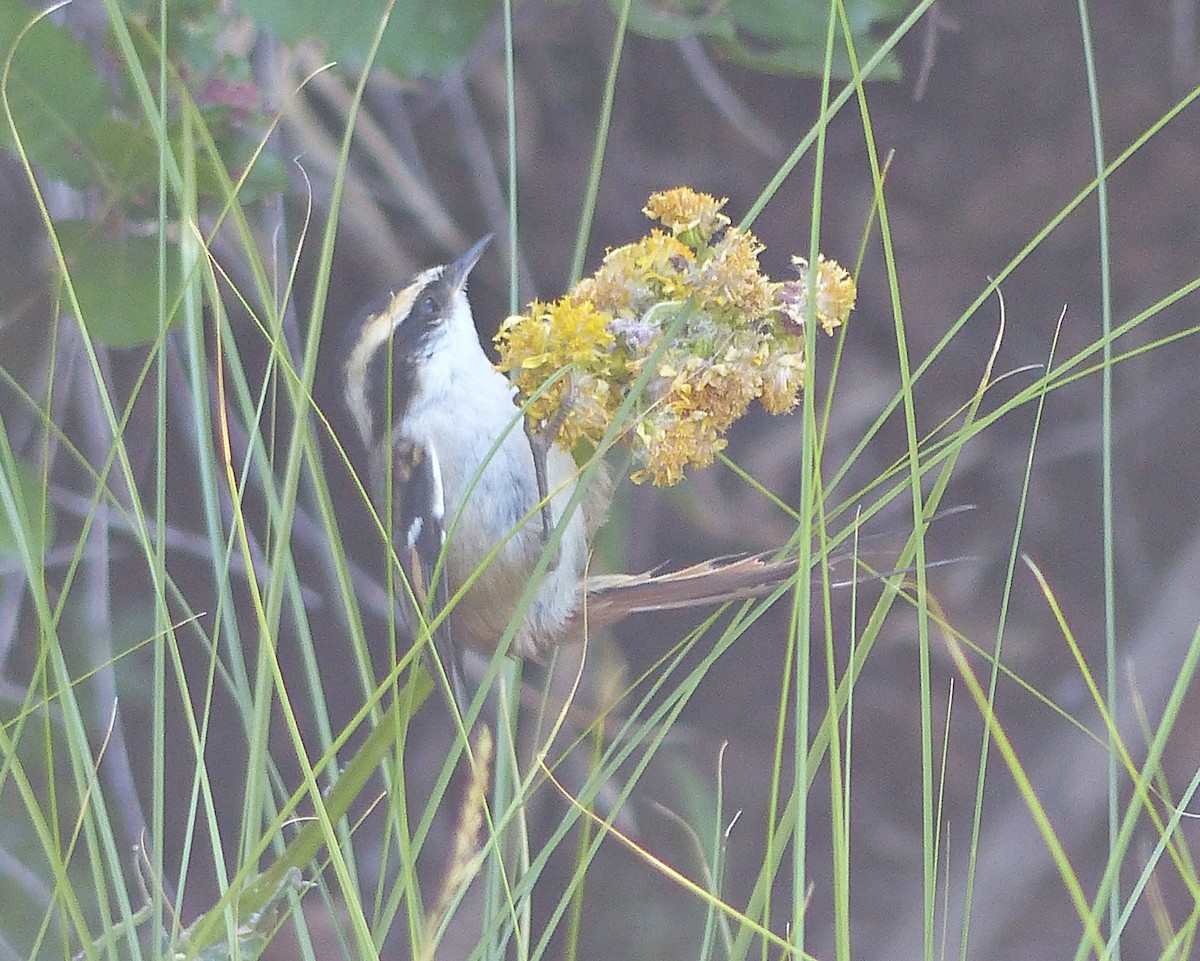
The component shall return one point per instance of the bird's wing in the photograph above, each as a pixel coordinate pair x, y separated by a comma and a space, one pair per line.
419, 522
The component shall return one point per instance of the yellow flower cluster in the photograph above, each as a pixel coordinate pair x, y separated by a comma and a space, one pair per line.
572, 333
739, 336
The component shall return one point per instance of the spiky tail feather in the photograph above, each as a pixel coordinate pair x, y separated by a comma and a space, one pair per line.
612, 597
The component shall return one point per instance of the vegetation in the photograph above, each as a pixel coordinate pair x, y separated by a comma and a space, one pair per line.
216, 741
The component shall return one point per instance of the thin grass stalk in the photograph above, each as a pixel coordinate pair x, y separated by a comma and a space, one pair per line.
596, 165
810, 496
1107, 506
1091, 929
919, 513
886, 46
993, 678
97, 834
155, 855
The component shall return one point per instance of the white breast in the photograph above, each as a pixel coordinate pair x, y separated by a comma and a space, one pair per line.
463, 408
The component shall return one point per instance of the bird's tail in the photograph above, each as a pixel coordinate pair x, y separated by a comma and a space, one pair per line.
612, 597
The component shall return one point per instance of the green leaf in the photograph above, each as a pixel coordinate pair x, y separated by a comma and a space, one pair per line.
809, 61
116, 282
772, 36
38, 527
784, 36
128, 157
674, 21
54, 93
424, 37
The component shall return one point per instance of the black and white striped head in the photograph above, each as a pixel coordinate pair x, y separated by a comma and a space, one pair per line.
409, 340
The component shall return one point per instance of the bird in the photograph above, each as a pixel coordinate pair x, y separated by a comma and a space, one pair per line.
473, 500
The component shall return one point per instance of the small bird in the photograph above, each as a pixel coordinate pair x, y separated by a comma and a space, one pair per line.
449, 461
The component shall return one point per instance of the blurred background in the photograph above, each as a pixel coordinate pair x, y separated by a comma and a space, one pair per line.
987, 118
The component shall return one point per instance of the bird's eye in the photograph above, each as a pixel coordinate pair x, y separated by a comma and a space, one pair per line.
426, 307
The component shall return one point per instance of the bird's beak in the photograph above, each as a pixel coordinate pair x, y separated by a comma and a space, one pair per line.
456, 273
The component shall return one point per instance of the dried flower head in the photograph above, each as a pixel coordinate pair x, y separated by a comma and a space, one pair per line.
738, 337
835, 294
686, 212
